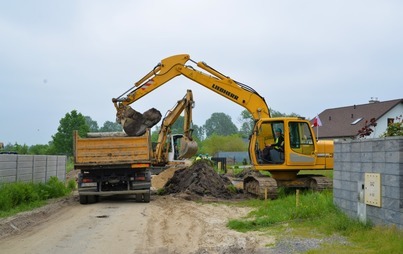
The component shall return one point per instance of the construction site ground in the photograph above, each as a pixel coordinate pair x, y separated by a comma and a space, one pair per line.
190, 219
167, 224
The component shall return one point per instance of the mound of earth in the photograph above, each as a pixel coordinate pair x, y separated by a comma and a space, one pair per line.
200, 179
159, 181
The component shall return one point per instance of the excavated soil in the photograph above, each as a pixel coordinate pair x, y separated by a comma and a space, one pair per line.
200, 179
158, 181
136, 123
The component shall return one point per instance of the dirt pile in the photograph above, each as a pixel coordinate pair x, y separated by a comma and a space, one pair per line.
159, 181
200, 179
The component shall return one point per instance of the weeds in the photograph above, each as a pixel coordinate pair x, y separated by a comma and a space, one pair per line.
311, 205
20, 196
316, 214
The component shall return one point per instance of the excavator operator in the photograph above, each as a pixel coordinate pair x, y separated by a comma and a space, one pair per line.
272, 152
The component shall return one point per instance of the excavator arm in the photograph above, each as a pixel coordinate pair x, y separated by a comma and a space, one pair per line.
188, 147
210, 78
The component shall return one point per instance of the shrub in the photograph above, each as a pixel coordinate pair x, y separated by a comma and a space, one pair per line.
20, 194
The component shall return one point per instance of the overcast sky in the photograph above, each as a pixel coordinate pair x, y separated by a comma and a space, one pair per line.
302, 56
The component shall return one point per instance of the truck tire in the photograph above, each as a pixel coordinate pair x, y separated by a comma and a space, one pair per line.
147, 197
83, 200
92, 199
139, 197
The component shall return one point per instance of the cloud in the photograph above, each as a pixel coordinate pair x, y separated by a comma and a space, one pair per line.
302, 56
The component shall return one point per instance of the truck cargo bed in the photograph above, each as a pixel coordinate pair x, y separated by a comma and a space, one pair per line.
113, 150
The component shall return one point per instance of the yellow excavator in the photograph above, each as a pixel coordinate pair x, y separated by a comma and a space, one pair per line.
181, 146
301, 150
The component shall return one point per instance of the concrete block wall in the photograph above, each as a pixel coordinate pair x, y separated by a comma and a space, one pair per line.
352, 160
31, 168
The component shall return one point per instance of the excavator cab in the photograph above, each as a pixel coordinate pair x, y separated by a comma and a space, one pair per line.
180, 147
301, 152
298, 148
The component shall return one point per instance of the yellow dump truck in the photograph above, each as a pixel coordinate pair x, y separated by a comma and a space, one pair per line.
111, 165
116, 163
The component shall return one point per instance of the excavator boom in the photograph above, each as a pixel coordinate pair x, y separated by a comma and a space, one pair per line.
187, 147
174, 66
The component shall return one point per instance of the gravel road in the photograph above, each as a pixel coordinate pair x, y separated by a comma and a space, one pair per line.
165, 225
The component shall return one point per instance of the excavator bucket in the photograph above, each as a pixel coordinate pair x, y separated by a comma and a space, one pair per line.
136, 124
188, 148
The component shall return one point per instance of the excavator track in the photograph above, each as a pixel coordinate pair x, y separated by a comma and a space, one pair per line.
320, 183
261, 186
265, 187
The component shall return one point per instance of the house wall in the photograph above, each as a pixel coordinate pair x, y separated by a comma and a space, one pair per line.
382, 122
356, 160
31, 168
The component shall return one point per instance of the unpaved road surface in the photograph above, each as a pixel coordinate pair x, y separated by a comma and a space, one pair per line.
167, 224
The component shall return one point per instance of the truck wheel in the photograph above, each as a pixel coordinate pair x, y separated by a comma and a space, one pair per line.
147, 197
139, 197
91, 199
83, 200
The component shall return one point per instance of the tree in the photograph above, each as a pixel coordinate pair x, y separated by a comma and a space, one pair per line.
39, 149
63, 139
93, 125
395, 128
216, 143
220, 124
275, 113
177, 126
110, 127
247, 123
198, 132
367, 129
20, 149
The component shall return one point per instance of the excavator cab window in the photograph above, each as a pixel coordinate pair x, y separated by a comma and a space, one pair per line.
267, 132
301, 138
267, 136
176, 146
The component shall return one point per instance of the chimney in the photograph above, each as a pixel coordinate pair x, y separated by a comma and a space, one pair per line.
373, 100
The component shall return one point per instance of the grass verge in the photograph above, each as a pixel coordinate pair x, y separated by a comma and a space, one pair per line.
20, 196
315, 216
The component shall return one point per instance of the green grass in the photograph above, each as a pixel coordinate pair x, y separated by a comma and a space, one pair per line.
70, 164
21, 196
317, 217
327, 173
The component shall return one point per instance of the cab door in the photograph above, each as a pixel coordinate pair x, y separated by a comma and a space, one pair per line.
300, 144
264, 135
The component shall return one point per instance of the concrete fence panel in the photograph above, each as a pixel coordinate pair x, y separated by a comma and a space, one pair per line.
32, 168
368, 179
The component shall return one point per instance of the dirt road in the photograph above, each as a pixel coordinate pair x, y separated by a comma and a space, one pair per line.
165, 225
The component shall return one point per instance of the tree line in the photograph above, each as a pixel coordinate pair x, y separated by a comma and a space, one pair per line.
219, 133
